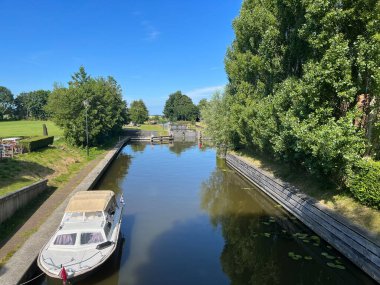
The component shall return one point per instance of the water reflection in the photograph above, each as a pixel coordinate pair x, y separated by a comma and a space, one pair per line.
191, 220
178, 148
138, 147
116, 173
263, 243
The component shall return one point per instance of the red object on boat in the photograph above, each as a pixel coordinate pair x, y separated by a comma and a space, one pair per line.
63, 275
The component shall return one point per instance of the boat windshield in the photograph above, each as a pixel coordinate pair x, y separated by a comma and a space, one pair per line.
88, 238
83, 217
88, 216
65, 239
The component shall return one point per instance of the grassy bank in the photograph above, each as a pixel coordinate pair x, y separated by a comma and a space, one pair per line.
327, 193
28, 128
57, 163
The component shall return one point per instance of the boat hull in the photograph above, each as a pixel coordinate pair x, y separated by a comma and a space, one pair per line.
113, 261
80, 261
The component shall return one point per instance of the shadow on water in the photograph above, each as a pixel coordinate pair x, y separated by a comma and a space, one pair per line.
116, 173
185, 254
109, 273
189, 222
266, 245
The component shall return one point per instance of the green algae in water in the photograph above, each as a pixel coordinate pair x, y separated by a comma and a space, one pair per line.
337, 266
294, 256
325, 254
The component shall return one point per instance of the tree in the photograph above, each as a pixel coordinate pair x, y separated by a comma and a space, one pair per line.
6, 102
107, 111
217, 120
138, 112
180, 107
32, 104
296, 71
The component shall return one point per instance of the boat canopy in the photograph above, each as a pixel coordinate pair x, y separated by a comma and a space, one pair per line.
91, 201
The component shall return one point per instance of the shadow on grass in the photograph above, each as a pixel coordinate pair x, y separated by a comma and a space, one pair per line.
10, 226
20, 173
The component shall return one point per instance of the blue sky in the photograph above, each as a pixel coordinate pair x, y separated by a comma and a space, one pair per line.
152, 48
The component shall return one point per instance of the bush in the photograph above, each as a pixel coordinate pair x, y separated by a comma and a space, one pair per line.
36, 143
364, 182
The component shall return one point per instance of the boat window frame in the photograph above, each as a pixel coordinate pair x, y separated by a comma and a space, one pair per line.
101, 232
65, 233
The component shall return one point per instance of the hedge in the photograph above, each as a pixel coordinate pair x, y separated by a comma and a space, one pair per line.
364, 182
36, 143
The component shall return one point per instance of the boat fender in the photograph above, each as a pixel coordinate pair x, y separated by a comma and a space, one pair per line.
104, 244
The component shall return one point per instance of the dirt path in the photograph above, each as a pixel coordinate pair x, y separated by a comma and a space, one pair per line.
43, 212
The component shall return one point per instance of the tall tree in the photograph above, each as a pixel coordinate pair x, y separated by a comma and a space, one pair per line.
107, 111
180, 107
6, 102
138, 112
31, 105
296, 69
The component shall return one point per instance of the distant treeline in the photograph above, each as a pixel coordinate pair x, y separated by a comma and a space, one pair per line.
27, 105
304, 81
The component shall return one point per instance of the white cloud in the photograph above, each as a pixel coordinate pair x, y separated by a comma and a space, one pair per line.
205, 92
151, 32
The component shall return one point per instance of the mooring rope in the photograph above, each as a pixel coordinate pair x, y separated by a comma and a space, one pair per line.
26, 282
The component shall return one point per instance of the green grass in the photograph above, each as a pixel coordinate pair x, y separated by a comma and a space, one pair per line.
158, 128
327, 193
28, 128
58, 163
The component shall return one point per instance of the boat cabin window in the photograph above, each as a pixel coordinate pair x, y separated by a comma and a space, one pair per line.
93, 216
73, 217
88, 238
65, 239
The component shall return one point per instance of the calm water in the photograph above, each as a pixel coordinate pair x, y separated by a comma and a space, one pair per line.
190, 219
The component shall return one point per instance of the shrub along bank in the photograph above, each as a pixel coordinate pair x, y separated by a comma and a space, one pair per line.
35, 143
364, 182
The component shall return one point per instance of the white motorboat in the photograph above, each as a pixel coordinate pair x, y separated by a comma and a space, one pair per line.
87, 236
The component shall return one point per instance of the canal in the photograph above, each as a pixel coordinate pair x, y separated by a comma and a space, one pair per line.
189, 219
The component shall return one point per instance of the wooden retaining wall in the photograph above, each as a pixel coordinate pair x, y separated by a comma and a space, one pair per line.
357, 244
11, 202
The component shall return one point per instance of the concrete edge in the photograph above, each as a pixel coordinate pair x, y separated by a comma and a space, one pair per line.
17, 268
337, 234
18, 199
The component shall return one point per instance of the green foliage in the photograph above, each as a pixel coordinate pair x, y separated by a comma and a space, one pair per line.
6, 102
35, 143
138, 112
364, 182
180, 107
295, 70
30, 105
107, 111
215, 115
202, 104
